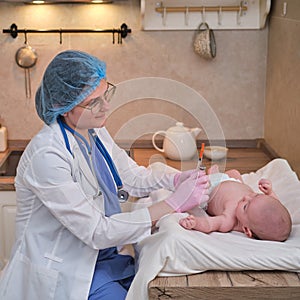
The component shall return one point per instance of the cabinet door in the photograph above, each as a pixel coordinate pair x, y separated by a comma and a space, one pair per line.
7, 224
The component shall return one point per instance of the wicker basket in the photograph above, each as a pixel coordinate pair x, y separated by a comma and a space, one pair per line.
204, 42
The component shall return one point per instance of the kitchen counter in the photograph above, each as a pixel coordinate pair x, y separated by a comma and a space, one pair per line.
7, 182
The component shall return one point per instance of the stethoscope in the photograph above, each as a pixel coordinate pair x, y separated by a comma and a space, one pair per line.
122, 195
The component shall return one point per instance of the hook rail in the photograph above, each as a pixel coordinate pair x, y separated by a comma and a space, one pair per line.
221, 15
122, 31
164, 9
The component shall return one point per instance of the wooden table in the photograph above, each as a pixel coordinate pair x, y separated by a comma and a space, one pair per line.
243, 159
228, 285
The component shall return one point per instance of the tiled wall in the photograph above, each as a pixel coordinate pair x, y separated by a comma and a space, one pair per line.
282, 112
232, 86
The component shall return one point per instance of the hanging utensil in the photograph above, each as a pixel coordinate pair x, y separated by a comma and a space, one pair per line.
26, 58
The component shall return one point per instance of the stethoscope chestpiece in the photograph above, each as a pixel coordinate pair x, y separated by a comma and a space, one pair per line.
122, 195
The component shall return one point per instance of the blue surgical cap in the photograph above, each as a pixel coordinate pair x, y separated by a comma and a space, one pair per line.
69, 78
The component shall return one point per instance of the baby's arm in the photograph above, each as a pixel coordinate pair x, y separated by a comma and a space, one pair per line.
206, 224
265, 186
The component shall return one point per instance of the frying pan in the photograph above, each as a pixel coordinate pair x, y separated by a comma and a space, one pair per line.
26, 58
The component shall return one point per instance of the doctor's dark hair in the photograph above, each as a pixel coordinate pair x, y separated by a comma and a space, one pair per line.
69, 78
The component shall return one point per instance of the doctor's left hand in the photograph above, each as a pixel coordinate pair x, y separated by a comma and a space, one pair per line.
190, 193
182, 176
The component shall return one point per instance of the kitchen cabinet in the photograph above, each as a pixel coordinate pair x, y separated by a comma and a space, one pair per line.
8, 210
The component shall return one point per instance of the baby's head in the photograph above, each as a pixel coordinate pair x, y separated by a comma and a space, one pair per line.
264, 217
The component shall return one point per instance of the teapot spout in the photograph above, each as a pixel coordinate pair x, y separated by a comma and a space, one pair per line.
195, 131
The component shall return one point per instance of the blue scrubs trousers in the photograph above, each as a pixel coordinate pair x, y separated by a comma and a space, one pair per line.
113, 290
112, 276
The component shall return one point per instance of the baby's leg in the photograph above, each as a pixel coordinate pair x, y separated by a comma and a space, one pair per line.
213, 169
234, 174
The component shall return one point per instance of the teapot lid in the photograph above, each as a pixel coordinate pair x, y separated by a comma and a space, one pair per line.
178, 128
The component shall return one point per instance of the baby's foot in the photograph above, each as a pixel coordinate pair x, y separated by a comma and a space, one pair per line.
188, 222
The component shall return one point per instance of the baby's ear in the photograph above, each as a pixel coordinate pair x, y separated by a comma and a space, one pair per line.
247, 231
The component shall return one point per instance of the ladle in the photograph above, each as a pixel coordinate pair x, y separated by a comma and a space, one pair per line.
26, 58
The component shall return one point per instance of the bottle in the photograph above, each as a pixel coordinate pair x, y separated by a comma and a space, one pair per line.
3, 138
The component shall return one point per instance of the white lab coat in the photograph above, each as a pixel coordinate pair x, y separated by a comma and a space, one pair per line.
60, 222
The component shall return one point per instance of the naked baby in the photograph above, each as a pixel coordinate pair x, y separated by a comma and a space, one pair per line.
234, 206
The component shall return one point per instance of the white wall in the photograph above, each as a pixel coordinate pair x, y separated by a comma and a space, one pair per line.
283, 90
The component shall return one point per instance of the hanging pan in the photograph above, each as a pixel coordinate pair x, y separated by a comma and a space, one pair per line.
26, 58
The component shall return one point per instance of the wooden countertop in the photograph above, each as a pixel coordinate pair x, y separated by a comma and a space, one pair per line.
243, 159
7, 183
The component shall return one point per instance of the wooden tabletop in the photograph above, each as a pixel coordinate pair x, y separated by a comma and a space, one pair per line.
220, 285
244, 160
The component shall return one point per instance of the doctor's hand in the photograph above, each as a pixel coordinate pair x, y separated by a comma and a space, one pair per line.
190, 193
182, 176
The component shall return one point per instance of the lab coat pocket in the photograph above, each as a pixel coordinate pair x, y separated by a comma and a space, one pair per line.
27, 281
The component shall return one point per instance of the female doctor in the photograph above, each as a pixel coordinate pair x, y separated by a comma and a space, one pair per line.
69, 183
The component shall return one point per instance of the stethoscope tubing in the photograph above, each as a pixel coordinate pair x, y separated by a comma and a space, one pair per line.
113, 170
107, 157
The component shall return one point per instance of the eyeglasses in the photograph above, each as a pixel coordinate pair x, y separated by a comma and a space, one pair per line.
96, 104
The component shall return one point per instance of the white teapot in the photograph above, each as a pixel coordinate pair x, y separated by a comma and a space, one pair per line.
179, 142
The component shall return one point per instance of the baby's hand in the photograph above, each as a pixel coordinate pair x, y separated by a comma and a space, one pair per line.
188, 222
265, 186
